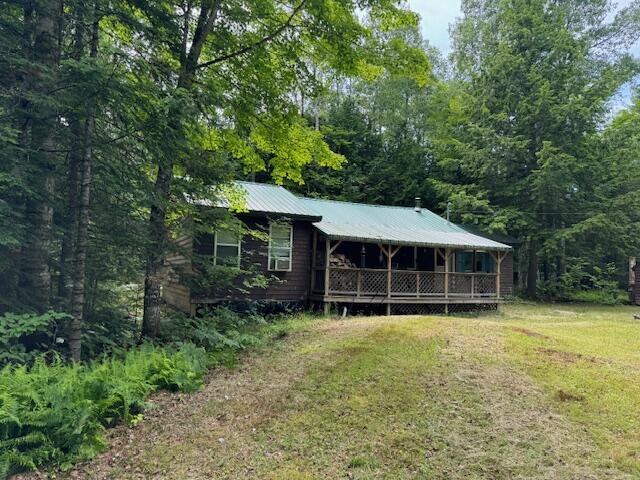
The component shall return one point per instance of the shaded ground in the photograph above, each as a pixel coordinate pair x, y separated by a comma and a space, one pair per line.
518, 394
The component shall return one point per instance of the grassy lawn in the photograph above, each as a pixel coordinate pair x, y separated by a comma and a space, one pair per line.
534, 391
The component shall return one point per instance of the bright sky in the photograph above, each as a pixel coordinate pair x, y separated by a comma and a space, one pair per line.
437, 15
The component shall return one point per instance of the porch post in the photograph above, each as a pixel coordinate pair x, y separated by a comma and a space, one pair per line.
326, 265
447, 253
498, 274
388, 271
326, 304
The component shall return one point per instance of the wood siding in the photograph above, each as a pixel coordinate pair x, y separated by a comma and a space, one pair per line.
292, 286
175, 290
635, 288
506, 275
283, 286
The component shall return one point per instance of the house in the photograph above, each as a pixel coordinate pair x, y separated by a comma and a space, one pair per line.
634, 281
326, 252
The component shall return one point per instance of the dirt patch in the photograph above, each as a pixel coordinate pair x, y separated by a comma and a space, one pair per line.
529, 333
566, 357
564, 396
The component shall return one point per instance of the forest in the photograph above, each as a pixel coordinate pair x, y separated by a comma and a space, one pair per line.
113, 115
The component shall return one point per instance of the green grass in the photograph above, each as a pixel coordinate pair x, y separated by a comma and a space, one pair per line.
533, 391
588, 362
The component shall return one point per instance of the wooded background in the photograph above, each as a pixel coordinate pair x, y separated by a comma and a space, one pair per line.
114, 114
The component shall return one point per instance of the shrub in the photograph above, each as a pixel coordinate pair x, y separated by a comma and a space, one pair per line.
56, 412
611, 296
220, 329
584, 283
24, 336
108, 330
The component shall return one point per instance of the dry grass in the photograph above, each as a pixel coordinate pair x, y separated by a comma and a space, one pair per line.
498, 397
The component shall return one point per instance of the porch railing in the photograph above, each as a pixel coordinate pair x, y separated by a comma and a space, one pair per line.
364, 282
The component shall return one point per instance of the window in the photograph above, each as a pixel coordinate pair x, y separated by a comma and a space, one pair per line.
469, 261
280, 247
464, 261
226, 248
484, 262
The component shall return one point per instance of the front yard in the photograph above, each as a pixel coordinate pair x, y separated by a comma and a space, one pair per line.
549, 391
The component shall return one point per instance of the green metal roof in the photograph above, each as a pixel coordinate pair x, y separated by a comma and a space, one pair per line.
270, 199
362, 222
393, 225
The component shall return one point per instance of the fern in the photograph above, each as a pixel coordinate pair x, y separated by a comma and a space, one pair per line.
57, 412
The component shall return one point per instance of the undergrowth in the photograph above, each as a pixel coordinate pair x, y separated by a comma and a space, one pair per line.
54, 413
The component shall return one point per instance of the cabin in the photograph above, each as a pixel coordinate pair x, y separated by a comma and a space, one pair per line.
324, 253
634, 281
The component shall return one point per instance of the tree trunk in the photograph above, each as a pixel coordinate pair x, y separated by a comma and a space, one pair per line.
155, 257
74, 173
82, 237
532, 271
81, 243
157, 227
71, 215
34, 273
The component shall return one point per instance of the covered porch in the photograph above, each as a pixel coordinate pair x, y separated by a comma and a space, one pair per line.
370, 272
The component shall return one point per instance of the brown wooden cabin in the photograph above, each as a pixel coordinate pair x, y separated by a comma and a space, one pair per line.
634, 281
324, 252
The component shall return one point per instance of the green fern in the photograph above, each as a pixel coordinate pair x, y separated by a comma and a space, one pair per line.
57, 412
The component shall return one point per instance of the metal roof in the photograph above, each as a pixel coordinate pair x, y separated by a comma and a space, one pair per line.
270, 199
361, 222
393, 225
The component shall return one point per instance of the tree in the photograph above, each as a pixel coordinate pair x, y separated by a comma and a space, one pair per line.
236, 64
537, 77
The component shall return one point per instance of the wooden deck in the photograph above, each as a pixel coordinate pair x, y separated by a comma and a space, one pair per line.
362, 285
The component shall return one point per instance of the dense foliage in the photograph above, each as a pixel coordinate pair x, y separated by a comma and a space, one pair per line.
521, 133
55, 412
115, 115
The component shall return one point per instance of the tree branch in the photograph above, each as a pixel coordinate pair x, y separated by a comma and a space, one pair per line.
263, 40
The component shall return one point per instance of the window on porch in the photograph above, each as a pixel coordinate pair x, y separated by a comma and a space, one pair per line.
469, 261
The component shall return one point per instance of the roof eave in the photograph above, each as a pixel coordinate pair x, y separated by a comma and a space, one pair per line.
350, 238
293, 216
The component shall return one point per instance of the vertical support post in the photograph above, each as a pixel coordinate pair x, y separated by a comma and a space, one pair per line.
327, 254
388, 271
418, 284
498, 273
326, 265
358, 282
388, 309
447, 253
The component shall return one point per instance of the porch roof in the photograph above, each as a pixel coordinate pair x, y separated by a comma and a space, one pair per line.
393, 225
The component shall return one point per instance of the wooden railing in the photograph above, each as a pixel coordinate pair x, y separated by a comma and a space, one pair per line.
366, 282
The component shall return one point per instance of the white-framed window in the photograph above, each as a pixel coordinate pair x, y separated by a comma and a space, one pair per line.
226, 248
280, 247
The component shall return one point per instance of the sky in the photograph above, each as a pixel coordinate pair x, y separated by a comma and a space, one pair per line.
437, 15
